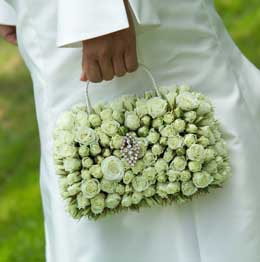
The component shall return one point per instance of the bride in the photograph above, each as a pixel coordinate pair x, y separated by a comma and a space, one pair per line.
64, 43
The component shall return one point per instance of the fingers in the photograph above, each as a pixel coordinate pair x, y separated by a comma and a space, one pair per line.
8, 33
119, 65
108, 56
96, 71
107, 69
11, 38
131, 62
92, 72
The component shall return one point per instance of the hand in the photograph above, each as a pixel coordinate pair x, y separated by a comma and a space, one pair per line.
8, 32
110, 55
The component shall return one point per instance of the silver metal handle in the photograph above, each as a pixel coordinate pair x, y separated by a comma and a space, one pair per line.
146, 69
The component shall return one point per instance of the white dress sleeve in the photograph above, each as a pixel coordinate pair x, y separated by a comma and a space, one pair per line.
85, 19
7, 14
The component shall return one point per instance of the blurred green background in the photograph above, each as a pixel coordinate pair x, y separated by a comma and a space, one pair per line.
21, 222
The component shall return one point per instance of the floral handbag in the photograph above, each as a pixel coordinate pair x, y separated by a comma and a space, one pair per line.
133, 152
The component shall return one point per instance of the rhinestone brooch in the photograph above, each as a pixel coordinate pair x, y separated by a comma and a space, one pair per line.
130, 149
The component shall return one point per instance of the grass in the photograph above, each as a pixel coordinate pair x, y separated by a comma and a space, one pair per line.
21, 222
242, 19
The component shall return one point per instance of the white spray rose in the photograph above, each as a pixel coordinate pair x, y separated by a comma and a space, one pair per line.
184, 88
179, 125
132, 121
149, 173
65, 150
117, 105
171, 98
210, 154
161, 165
168, 118
85, 135
126, 201
138, 166
87, 162
98, 203
110, 127
168, 131
73, 178
157, 122
108, 186
66, 121
71, 164
149, 158
73, 189
106, 114
141, 107
173, 175
116, 141
175, 142
221, 148
157, 149
137, 197
94, 120
211, 167
173, 188
168, 155
104, 139
161, 190
185, 175
204, 108
187, 101
153, 136
190, 116
112, 168
78, 107
83, 151
128, 102
112, 200
90, 188
140, 183
156, 107
191, 128
118, 116
190, 139
179, 163
150, 191
63, 137
95, 149
81, 119
128, 177
82, 201
188, 188
143, 144
146, 121
195, 166
202, 179
196, 152
95, 171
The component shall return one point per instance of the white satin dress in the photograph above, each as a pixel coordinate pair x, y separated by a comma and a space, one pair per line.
185, 42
